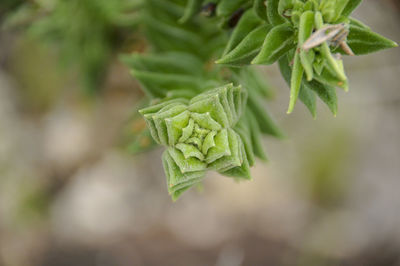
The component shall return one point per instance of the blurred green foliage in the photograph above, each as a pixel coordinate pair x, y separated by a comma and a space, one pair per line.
7, 6
86, 33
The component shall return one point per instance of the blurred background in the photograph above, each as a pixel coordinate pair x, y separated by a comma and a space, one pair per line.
71, 194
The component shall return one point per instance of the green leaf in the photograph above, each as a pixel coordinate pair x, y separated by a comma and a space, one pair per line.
159, 29
309, 99
256, 135
228, 7
243, 129
148, 114
277, 42
213, 106
327, 78
186, 165
351, 5
340, 6
331, 62
308, 90
234, 158
260, 9
327, 9
295, 82
242, 171
221, 147
246, 49
171, 62
265, 122
246, 24
192, 7
305, 95
273, 14
158, 84
358, 23
160, 117
306, 26
177, 181
326, 93
364, 41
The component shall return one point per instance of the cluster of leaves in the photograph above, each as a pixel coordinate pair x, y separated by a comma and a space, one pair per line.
85, 32
306, 37
180, 66
200, 135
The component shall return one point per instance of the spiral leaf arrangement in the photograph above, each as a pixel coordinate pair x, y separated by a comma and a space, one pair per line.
200, 136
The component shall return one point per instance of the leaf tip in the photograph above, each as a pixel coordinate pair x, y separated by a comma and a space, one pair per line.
255, 61
292, 103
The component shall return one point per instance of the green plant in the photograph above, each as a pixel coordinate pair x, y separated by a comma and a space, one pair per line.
200, 135
195, 48
307, 38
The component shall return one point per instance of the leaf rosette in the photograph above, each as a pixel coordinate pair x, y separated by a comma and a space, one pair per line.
200, 136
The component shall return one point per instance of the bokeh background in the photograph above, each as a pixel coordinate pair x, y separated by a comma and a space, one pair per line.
71, 194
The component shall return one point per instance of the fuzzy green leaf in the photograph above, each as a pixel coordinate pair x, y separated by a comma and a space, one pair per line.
334, 64
295, 81
278, 42
247, 23
351, 5
272, 12
358, 23
265, 122
305, 95
364, 41
340, 6
171, 62
245, 51
308, 90
158, 84
260, 9
326, 93
305, 29
227, 7
177, 181
256, 135
328, 78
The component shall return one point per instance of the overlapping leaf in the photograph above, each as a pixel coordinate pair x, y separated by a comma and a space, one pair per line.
212, 129
200, 136
310, 33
